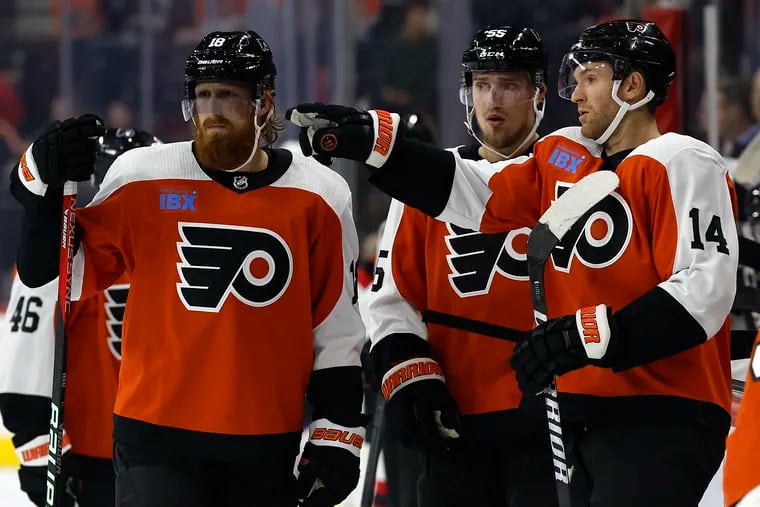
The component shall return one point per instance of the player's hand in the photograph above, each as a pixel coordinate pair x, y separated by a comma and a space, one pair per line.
33, 470
331, 131
564, 344
64, 152
420, 411
329, 465
33, 482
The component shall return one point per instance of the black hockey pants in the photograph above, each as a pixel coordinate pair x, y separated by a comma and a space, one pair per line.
150, 479
642, 466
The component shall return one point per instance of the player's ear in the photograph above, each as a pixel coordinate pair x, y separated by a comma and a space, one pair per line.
541, 92
633, 88
267, 102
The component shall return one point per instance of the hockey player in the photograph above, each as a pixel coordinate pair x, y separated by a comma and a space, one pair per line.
645, 402
94, 352
741, 484
434, 277
241, 260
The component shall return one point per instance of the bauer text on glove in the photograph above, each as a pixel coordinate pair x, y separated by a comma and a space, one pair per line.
329, 467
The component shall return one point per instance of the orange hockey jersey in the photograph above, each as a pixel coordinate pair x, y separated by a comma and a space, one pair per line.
431, 266
238, 292
741, 475
93, 359
661, 251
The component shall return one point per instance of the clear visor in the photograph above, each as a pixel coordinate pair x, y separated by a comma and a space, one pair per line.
578, 67
499, 94
229, 107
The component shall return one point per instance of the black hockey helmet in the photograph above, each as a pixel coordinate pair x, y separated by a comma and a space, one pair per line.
116, 141
235, 56
503, 48
627, 45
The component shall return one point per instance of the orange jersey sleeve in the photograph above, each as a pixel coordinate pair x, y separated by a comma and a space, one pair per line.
740, 475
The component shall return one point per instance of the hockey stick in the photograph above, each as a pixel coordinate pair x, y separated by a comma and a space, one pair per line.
55, 488
375, 447
572, 206
473, 326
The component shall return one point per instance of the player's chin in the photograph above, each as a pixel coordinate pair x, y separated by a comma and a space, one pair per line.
498, 139
590, 131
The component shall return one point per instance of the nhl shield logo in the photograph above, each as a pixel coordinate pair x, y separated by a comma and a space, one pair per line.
240, 182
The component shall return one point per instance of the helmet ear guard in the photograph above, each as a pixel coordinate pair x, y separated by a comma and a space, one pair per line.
465, 95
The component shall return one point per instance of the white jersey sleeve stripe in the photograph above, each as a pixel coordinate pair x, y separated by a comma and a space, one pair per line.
704, 268
27, 340
389, 312
339, 338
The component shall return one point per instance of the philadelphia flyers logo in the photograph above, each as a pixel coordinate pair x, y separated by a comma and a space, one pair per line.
598, 240
115, 304
475, 258
254, 265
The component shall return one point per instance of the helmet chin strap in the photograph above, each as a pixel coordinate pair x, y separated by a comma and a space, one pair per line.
538, 116
624, 108
256, 136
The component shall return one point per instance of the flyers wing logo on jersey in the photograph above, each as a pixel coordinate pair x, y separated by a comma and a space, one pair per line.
115, 303
476, 257
599, 240
253, 264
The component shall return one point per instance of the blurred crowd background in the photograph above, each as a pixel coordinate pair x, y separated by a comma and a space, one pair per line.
124, 59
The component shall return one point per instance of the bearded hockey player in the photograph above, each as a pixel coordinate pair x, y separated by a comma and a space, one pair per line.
435, 277
645, 399
241, 260
94, 353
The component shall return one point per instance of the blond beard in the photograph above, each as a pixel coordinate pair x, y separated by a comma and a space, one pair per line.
500, 140
225, 151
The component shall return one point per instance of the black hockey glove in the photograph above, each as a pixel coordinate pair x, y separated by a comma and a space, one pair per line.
564, 344
33, 471
331, 131
64, 152
329, 467
419, 409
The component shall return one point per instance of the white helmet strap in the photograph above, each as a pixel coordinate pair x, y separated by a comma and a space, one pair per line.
624, 108
256, 135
